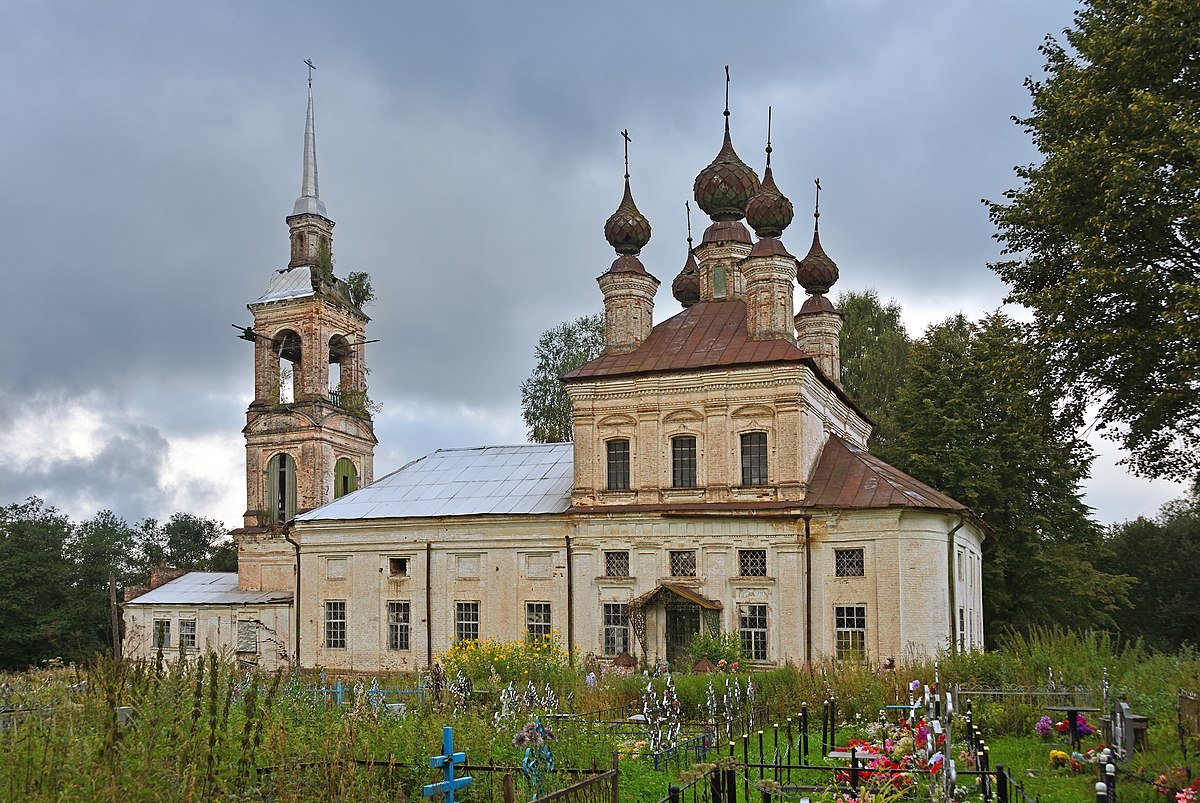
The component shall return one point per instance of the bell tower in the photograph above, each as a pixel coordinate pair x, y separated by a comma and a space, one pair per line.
309, 433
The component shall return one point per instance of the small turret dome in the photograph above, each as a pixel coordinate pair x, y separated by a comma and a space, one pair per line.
817, 272
769, 211
686, 287
627, 230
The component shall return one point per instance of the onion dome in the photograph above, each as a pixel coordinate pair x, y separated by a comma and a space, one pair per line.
817, 272
724, 188
769, 212
686, 287
627, 230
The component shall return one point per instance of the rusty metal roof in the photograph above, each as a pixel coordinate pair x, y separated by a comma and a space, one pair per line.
849, 477
679, 589
711, 334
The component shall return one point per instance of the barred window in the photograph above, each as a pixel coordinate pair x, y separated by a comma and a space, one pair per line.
537, 621
752, 562
187, 633
683, 563
616, 564
850, 632
247, 636
162, 634
616, 628
848, 563
752, 631
466, 621
335, 624
398, 625
754, 458
683, 461
618, 465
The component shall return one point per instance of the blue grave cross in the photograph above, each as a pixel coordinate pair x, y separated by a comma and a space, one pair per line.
447, 761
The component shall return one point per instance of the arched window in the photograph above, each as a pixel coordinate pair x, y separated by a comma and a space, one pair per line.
683, 461
345, 478
287, 368
281, 487
754, 458
618, 464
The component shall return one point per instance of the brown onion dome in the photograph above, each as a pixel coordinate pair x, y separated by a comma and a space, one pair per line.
769, 211
686, 287
817, 272
724, 188
627, 230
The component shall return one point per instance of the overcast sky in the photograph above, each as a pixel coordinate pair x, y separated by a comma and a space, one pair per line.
469, 153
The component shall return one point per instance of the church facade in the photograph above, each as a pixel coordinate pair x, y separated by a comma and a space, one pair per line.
718, 479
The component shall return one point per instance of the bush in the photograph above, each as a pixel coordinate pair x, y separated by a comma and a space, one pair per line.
495, 662
716, 647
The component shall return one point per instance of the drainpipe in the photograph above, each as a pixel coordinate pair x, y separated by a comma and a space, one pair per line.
807, 589
950, 585
428, 603
570, 607
296, 597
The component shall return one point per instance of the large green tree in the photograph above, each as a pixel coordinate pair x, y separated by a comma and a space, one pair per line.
544, 402
1105, 231
36, 575
874, 351
978, 418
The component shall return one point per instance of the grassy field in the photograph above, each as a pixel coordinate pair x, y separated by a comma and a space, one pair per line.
202, 730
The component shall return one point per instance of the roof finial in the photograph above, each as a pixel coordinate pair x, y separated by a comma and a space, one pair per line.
625, 136
309, 202
817, 208
726, 98
688, 207
768, 136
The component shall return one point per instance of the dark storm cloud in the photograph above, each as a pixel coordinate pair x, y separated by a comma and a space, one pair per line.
469, 154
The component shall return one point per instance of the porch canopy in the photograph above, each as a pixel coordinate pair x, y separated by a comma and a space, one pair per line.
638, 605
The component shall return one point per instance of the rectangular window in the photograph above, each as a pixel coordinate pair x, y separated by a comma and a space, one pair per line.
754, 458
960, 570
850, 622
683, 461
752, 630
683, 563
247, 636
616, 564
618, 465
962, 629
537, 621
398, 622
398, 567
466, 621
187, 633
848, 563
616, 628
752, 562
335, 624
162, 634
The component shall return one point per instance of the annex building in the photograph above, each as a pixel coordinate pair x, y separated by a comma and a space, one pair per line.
718, 481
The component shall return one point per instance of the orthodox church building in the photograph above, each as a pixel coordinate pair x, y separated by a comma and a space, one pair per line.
718, 481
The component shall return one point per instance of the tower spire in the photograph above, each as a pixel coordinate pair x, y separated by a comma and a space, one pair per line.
309, 202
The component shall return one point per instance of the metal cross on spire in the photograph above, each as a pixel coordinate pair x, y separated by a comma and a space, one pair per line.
688, 208
817, 208
625, 136
311, 67
727, 96
768, 136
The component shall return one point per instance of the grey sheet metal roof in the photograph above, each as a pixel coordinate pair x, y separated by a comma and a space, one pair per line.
288, 283
530, 478
208, 588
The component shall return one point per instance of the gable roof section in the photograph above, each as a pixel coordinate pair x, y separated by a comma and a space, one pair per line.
711, 334
208, 588
529, 478
287, 284
849, 477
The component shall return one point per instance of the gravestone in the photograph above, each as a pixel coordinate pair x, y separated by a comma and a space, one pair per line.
1123, 735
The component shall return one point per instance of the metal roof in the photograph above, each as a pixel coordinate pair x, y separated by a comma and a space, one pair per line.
530, 478
208, 588
847, 476
288, 283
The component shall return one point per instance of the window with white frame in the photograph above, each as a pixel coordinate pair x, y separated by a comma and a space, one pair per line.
616, 564
466, 621
247, 636
398, 625
848, 563
161, 639
754, 458
752, 562
683, 461
962, 629
752, 630
335, 624
537, 621
187, 633
618, 465
683, 563
616, 628
850, 632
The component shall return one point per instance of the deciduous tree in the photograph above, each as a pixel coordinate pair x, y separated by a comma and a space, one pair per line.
1105, 231
544, 403
874, 351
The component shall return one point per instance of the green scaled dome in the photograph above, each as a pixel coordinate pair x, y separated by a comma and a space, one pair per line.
724, 188
627, 230
769, 212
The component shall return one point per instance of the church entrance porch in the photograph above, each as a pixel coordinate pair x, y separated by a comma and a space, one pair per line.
683, 624
682, 608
